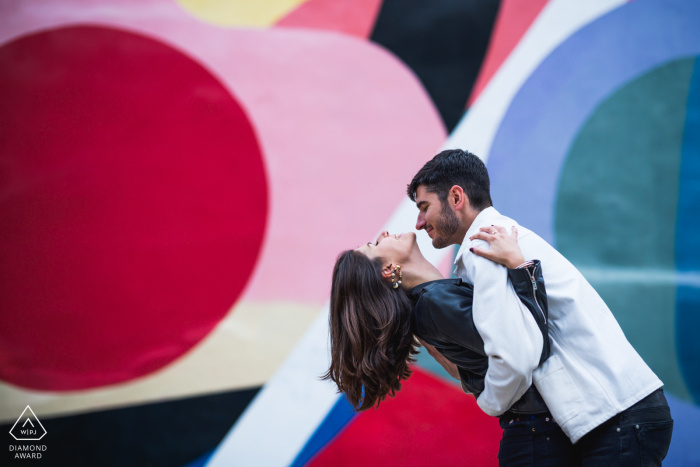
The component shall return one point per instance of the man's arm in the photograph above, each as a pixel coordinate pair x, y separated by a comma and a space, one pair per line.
512, 340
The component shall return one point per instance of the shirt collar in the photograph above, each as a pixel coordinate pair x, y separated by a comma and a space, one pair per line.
479, 220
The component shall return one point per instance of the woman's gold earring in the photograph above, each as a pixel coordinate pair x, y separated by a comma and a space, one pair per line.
395, 283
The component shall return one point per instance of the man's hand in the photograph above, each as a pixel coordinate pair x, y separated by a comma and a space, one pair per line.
450, 367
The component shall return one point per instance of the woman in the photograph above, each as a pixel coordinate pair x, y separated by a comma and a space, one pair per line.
385, 292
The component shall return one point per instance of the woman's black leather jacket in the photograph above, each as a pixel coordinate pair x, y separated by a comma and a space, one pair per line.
442, 317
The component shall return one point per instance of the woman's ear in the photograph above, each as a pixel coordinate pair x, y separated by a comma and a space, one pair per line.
386, 271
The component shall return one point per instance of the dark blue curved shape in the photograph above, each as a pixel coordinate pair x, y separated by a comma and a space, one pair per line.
688, 245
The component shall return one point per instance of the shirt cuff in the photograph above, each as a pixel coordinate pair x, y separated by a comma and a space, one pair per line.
526, 264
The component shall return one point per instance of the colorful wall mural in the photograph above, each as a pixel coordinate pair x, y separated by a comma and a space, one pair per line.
178, 176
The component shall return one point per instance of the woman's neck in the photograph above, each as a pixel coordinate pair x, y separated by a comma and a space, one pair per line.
418, 271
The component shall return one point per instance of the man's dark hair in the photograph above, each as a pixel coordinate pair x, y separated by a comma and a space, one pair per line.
454, 167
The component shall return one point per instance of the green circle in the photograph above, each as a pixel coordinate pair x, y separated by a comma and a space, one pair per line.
615, 214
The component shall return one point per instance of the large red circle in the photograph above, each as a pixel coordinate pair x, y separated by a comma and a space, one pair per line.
133, 203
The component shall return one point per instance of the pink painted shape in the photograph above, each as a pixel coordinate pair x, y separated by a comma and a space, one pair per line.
513, 21
343, 126
103, 179
354, 17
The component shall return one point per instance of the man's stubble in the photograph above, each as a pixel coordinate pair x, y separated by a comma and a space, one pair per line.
445, 226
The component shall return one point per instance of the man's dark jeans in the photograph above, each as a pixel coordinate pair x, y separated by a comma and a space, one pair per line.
637, 437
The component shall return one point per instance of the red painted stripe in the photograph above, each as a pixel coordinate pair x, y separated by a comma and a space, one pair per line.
429, 422
514, 19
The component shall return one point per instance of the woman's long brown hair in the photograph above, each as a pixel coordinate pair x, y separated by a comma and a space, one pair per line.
370, 329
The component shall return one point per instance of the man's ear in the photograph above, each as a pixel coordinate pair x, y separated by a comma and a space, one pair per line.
458, 197
386, 271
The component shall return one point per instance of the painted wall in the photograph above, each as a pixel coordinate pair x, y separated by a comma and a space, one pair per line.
178, 178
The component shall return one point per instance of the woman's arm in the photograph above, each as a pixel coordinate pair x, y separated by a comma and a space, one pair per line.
449, 367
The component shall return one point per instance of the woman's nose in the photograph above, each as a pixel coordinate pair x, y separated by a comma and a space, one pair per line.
385, 233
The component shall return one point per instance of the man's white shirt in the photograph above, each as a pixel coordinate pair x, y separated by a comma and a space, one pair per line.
593, 372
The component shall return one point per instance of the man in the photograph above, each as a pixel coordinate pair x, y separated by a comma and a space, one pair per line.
597, 388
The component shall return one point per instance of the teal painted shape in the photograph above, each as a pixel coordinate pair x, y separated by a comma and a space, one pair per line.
688, 245
425, 361
615, 214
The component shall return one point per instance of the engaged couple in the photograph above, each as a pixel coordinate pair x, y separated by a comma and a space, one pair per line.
520, 327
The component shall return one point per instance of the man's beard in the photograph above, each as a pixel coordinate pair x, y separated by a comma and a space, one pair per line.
445, 226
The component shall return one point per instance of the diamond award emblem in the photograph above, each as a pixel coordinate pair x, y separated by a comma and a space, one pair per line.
28, 427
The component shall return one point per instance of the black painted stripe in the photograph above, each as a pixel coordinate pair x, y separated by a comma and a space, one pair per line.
163, 434
443, 41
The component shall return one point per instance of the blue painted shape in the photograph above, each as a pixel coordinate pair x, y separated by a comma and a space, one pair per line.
687, 342
687, 237
545, 116
201, 461
536, 134
685, 449
337, 419
688, 244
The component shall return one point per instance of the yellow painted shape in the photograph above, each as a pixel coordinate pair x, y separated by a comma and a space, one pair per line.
240, 12
243, 351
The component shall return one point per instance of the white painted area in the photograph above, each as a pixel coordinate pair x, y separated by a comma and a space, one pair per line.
558, 20
276, 426
646, 276
280, 420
